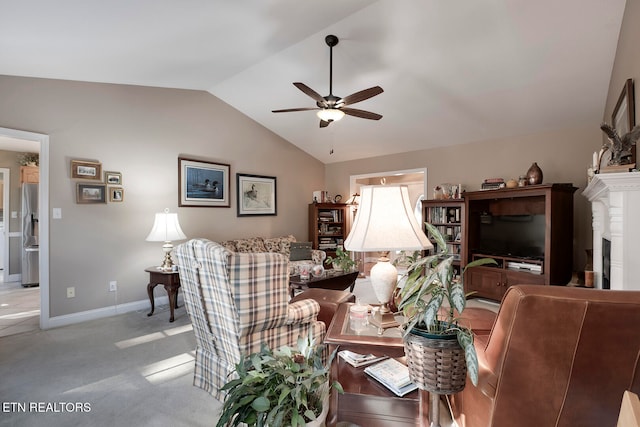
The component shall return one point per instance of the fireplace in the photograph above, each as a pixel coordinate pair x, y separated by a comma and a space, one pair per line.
615, 206
606, 264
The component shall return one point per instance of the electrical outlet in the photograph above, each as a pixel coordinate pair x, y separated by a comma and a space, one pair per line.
113, 286
71, 292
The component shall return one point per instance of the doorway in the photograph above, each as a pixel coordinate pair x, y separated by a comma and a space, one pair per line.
22, 141
414, 179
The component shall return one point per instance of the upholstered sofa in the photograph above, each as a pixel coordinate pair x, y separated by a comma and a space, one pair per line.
236, 302
556, 356
297, 252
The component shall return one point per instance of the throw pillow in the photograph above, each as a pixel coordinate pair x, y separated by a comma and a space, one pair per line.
300, 251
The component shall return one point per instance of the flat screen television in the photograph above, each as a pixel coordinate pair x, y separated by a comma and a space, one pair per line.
517, 236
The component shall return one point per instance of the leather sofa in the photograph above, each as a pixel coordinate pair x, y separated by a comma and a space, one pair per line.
556, 356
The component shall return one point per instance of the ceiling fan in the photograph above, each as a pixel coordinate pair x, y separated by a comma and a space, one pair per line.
332, 108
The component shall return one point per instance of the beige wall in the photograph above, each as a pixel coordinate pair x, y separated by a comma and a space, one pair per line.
562, 155
141, 131
627, 62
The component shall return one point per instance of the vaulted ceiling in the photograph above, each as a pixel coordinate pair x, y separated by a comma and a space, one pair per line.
453, 71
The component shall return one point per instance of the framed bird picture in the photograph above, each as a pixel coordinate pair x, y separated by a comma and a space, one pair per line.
623, 118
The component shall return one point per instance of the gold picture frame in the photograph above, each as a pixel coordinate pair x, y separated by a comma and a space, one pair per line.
112, 178
116, 194
81, 169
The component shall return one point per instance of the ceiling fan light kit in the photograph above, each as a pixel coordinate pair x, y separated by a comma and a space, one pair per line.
330, 114
332, 108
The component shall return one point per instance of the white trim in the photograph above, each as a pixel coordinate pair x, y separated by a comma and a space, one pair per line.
354, 178
6, 187
101, 313
43, 216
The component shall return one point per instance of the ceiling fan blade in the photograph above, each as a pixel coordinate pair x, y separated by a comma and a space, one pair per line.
361, 96
310, 92
324, 124
361, 113
289, 110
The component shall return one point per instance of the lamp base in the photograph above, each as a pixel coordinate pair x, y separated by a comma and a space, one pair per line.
384, 320
167, 262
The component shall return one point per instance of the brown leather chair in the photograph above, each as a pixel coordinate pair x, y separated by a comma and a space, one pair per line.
328, 299
556, 356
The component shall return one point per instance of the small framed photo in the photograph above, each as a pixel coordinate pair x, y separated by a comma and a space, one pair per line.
256, 195
203, 184
91, 193
112, 178
116, 194
86, 170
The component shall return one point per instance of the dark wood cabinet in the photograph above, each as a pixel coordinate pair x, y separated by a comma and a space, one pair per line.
527, 230
329, 225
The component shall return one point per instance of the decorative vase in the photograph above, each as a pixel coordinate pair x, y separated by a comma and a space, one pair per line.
534, 174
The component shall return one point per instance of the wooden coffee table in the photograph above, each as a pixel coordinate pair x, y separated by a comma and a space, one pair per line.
337, 281
366, 402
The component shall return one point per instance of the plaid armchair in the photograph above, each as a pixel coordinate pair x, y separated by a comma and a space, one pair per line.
235, 302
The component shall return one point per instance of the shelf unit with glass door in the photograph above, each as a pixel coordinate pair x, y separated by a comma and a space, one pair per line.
447, 215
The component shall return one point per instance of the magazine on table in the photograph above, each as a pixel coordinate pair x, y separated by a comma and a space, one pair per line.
392, 374
357, 360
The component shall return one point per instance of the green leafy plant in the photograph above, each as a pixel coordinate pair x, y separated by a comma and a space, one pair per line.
28, 159
278, 388
429, 284
342, 260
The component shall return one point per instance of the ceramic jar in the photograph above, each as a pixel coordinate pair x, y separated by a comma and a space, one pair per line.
534, 174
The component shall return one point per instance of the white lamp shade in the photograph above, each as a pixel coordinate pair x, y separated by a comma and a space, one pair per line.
330, 114
385, 221
166, 228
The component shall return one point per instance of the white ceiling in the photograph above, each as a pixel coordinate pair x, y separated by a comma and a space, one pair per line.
453, 71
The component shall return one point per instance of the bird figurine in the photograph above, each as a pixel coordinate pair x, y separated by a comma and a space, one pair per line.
620, 147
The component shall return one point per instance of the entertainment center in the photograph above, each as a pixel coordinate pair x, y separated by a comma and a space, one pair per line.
527, 230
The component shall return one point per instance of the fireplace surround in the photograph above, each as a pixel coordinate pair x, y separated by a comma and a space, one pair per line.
615, 206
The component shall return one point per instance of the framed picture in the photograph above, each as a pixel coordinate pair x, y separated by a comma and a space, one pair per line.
623, 118
91, 193
116, 194
256, 195
112, 178
202, 183
86, 170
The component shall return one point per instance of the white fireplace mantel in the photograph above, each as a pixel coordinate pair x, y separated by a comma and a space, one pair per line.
615, 206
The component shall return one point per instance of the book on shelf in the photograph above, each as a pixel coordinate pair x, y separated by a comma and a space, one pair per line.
393, 374
357, 360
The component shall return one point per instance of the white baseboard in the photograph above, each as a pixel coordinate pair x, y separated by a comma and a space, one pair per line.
100, 313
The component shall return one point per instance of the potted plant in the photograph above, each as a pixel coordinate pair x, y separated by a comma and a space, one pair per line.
284, 387
439, 348
342, 260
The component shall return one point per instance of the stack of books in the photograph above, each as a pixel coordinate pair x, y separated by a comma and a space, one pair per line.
492, 183
392, 374
357, 360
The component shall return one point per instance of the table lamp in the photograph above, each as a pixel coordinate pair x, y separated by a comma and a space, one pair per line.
385, 222
166, 228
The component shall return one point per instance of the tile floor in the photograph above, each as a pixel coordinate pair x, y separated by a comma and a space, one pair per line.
19, 308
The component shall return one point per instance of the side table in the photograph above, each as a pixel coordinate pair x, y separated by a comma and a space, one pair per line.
171, 282
365, 402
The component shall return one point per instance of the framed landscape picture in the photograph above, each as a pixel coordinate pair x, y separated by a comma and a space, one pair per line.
256, 195
86, 170
91, 193
202, 183
113, 178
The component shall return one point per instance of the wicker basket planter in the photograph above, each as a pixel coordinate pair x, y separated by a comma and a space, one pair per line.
436, 362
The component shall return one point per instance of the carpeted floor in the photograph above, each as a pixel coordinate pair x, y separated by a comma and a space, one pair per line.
126, 370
